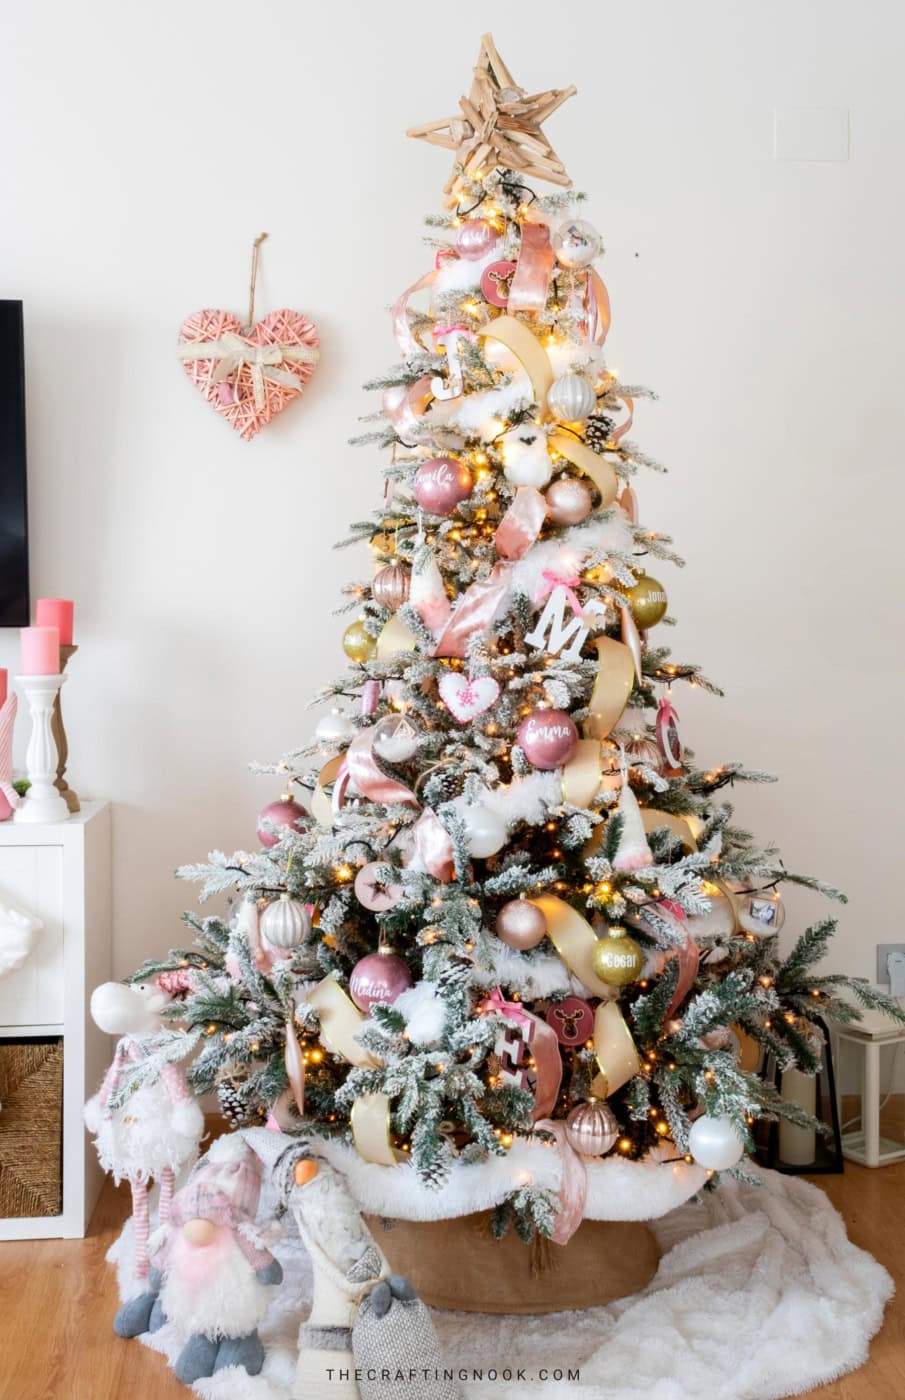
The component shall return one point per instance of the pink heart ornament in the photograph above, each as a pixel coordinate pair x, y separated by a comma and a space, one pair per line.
465, 697
234, 398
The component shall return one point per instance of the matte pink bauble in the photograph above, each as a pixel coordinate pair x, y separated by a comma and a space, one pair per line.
380, 976
441, 484
548, 738
568, 501
475, 239
374, 894
284, 813
520, 924
572, 1020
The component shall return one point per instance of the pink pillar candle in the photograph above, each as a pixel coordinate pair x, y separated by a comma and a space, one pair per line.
4, 690
40, 651
56, 612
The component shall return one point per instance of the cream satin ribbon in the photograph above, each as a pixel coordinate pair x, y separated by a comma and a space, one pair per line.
582, 775
321, 806
232, 352
612, 688
574, 940
340, 1018
591, 463
615, 1049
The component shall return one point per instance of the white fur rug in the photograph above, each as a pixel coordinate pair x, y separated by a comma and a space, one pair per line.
759, 1294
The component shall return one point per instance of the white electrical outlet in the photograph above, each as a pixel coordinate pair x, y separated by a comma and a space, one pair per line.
885, 953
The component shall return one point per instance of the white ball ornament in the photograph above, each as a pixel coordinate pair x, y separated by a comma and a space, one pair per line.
715, 1143
571, 398
485, 832
285, 923
576, 243
526, 461
334, 728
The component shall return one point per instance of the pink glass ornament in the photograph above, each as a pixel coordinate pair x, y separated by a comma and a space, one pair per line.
495, 282
379, 977
284, 813
441, 484
520, 924
568, 501
548, 738
572, 1020
375, 894
475, 239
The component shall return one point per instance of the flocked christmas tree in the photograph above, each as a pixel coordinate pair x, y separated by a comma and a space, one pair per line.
513, 910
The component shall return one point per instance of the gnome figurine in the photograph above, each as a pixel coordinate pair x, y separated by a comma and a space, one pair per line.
215, 1264
152, 1134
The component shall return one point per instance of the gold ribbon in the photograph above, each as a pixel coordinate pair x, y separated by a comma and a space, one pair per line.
581, 777
651, 819
321, 806
371, 1130
340, 1018
615, 1049
528, 351
591, 463
394, 638
612, 688
574, 941
233, 351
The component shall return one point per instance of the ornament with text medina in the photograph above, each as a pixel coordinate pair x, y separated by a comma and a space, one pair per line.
525, 923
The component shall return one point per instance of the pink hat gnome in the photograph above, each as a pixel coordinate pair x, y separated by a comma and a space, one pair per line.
216, 1264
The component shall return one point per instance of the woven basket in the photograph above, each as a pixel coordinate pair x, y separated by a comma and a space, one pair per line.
31, 1127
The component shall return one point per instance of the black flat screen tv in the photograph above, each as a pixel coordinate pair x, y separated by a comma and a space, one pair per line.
14, 603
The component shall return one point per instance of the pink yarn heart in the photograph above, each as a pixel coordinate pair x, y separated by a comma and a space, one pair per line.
467, 698
289, 328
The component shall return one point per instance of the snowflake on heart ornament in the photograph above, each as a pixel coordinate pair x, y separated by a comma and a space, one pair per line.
249, 374
467, 696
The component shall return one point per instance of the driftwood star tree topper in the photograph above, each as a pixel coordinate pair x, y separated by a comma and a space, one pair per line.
500, 124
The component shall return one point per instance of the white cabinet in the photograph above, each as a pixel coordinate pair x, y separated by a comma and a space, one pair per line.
61, 873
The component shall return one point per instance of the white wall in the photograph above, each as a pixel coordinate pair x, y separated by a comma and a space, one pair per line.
143, 149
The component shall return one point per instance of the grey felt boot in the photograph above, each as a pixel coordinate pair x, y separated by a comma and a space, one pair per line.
197, 1359
134, 1315
241, 1351
158, 1316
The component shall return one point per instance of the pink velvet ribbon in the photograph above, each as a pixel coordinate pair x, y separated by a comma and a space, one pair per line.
544, 1049
573, 1186
370, 697
598, 308
529, 286
405, 414
475, 610
623, 428
366, 775
295, 1068
432, 849
551, 580
688, 956
399, 314
521, 524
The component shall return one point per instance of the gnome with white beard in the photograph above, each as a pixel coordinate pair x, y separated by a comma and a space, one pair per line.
216, 1264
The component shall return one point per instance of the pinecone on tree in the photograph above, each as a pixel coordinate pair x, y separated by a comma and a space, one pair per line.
234, 1110
597, 431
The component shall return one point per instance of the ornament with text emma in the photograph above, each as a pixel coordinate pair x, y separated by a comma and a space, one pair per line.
526, 461
552, 632
249, 375
548, 738
379, 977
441, 485
467, 696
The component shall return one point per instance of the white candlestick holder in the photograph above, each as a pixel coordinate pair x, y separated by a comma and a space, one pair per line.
42, 802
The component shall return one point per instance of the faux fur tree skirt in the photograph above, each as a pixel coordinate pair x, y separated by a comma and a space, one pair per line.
759, 1294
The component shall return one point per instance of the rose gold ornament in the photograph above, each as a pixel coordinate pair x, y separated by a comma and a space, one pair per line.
548, 738
390, 588
592, 1129
284, 813
441, 484
568, 501
520, 924
475, 239
379, 977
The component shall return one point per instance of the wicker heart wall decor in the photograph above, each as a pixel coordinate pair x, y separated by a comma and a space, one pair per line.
250, 373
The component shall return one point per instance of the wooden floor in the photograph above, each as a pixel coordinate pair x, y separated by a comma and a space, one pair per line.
57, 1299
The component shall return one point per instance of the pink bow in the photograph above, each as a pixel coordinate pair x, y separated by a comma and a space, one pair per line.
511, 1009
552, 580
